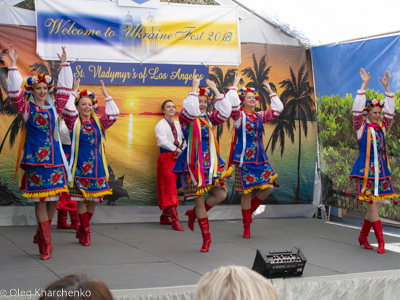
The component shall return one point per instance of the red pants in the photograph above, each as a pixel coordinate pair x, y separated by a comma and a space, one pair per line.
166, 181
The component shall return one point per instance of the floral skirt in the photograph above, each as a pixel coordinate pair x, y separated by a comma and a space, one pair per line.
89, 189
386, 192
191, 191
46, 183
252, 176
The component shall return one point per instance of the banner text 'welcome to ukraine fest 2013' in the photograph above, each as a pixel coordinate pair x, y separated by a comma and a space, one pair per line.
168, 34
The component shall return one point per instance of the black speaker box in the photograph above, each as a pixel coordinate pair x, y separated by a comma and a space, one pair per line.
275, 263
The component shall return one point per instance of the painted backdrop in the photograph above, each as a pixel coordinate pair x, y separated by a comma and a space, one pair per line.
131, 145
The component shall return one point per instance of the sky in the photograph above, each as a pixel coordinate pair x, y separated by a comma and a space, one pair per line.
327, 21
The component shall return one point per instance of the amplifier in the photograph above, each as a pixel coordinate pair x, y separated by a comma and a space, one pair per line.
279, 262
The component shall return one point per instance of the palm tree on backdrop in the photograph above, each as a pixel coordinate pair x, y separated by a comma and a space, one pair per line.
297, 97
223, 84
6, 109
284, 126
257, 76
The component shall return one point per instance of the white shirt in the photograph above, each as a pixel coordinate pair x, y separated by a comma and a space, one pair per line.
165, 138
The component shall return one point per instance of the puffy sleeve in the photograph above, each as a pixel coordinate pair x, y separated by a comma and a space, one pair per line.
222, 110
111, 114
388, 110
190, 111
15, 92
70, 114
274, 111
358, 108
161, 135
63, 87
64, 133
233, 98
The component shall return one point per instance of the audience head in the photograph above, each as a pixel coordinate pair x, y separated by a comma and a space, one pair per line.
77, 287
234, 283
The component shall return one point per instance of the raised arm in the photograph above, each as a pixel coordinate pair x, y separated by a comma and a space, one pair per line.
70, 113
276, 105
191, 109
64, 82
233, 97
359, 104
112, 111
14, 83
223, 107
390, 105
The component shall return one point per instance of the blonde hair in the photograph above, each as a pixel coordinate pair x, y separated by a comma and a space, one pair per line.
234, 283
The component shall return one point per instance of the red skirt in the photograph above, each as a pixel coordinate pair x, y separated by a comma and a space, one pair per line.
166, 181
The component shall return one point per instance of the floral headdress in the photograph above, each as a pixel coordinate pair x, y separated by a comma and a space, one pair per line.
86, 93
203, 91
369, 104
31, 83
244, 90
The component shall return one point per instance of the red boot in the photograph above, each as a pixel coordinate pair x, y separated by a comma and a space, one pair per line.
191, 214
362, 239
62, 219
205, 232
44, 228
255, 203
37, 239
79, 231
175, 218
164, 218
74, 219
84, 233
246, 213
379, 236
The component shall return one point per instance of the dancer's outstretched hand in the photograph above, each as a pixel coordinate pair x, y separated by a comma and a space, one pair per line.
63, 56
385, 80
13, 54
103, 89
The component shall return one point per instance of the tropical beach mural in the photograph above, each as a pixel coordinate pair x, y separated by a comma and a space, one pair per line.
131, 148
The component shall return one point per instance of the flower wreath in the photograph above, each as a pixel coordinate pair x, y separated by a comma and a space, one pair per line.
369, 104
86, 93
244, 90
204, 91
31, 83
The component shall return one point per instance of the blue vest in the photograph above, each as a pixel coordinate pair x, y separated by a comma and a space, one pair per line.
41, 148
90, 160
254, 152
359, 165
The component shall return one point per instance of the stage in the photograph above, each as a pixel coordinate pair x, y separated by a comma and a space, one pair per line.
138, 259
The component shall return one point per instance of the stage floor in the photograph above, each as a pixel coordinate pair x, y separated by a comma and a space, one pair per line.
147, 255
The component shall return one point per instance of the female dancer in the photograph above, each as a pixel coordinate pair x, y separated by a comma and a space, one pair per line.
200, 167
169, 138
371, 167
252, 167
43, 160
88, 161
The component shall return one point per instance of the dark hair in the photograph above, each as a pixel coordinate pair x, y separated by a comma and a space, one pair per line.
77, 287
164, 103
